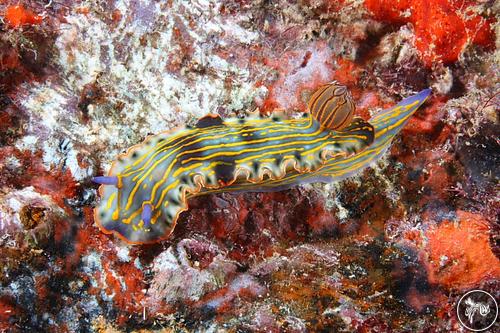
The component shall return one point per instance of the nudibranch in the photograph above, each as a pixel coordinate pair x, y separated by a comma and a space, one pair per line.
149, 186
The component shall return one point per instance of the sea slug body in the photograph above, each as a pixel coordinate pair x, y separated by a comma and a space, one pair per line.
149, 186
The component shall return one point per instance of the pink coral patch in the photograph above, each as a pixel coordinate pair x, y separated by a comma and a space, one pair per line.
298, 70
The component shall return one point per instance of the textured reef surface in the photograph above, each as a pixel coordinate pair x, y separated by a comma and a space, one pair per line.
389, 250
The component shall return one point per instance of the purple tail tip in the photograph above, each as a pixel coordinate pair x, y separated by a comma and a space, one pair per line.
105, 180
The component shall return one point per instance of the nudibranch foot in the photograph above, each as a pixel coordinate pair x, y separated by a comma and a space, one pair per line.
149, 186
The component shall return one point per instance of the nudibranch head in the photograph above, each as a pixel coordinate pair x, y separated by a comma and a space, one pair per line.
332, 106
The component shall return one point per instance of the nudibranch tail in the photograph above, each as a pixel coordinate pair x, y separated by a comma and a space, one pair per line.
149, 186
